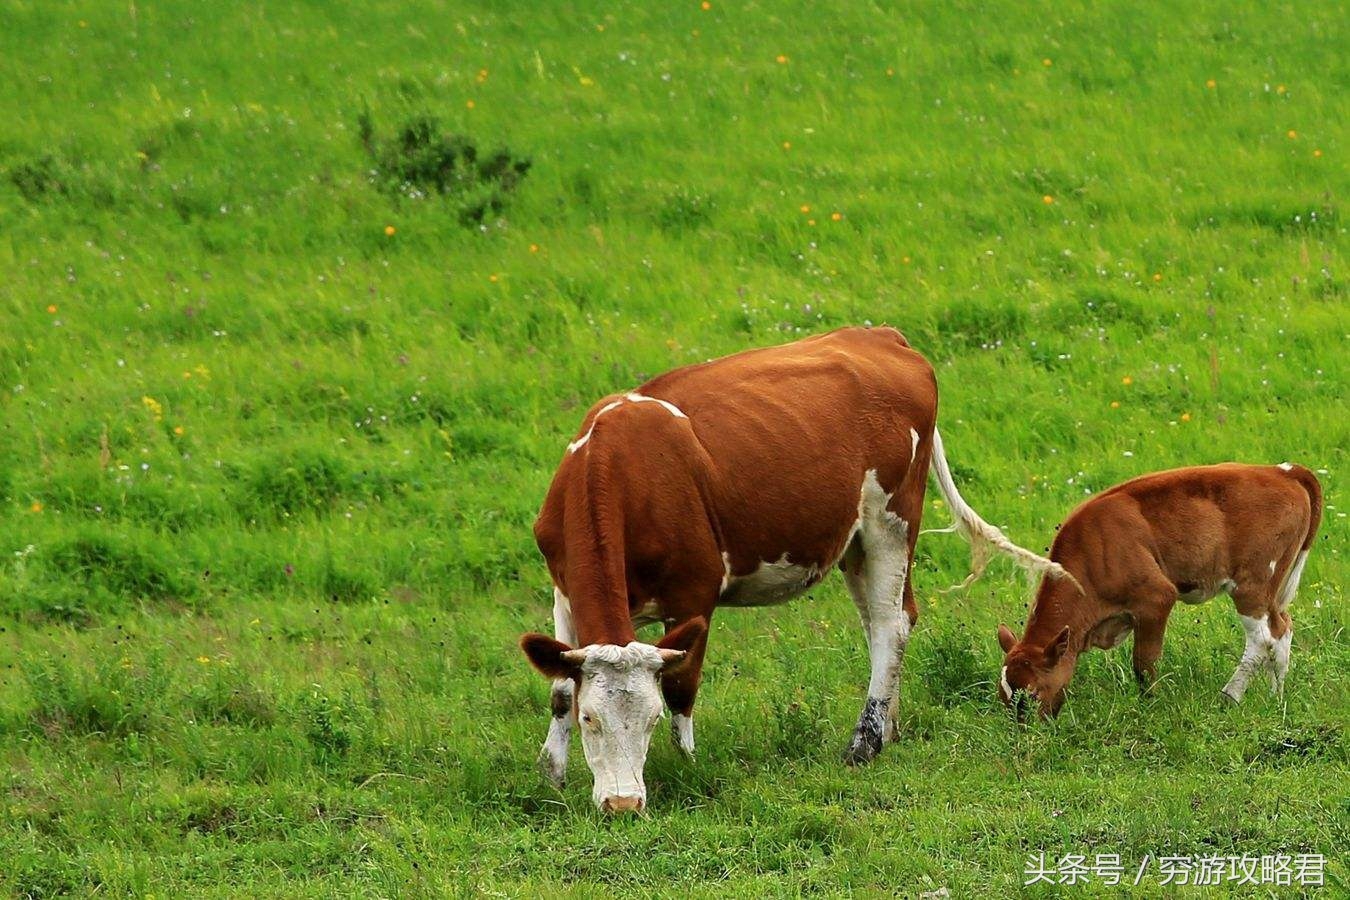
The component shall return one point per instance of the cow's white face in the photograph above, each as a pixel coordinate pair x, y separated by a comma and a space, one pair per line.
618, 703
618, 706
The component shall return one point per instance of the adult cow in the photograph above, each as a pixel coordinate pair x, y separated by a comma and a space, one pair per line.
737, 482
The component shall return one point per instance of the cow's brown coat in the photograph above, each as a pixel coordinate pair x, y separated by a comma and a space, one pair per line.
767, 461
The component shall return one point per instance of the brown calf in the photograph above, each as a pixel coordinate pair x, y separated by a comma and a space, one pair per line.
1137, 548
737, 482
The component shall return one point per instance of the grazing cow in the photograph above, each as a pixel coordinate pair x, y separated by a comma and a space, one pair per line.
1137, 548
737, 482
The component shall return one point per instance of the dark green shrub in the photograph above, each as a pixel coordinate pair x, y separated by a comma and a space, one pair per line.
421, 160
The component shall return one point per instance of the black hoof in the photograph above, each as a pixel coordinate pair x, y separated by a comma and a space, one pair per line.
862, 749
868, 736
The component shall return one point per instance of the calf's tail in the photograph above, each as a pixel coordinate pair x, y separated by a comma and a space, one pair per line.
1308, 481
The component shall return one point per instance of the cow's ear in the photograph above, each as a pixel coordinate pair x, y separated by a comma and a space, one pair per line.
679, 641
551, 657
1055, 652
1006, 639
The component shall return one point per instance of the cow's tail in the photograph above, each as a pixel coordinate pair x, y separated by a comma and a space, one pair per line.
1308, 480
1310, 484
984, 538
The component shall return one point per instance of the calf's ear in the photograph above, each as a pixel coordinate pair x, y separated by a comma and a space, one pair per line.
552, 657
1006, 639
1055, 651
679, 641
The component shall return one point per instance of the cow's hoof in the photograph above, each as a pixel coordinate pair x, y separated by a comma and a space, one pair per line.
1228, 699
863, 748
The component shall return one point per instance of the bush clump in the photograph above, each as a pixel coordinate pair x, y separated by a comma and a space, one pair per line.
421, 160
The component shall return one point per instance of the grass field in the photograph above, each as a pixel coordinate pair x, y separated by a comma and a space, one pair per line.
283, 380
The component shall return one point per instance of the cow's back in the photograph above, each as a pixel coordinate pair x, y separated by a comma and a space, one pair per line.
790, 431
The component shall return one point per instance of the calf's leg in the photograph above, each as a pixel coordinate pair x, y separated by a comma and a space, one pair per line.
1282, 630
1259, 652
1150, 626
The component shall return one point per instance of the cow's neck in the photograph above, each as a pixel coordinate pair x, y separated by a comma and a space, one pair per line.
602, 622
597, 579
1059, 603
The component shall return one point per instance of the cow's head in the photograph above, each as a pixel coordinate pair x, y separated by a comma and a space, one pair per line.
618, 703
1036, 672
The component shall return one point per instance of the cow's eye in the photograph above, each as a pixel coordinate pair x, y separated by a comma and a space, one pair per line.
590, 721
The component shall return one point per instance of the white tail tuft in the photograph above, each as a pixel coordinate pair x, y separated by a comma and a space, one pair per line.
1289, 586
984, 538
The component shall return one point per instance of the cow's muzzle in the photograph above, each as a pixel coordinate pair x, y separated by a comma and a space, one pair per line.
617, 804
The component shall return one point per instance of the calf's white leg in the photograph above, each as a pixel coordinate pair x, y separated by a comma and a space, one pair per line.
1256, 655
1280, 654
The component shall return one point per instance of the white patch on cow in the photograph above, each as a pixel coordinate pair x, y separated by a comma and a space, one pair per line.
913, 444
618, 707
670, 407
1291, 580
683, 729
581, 441
1272, 567
726, 573
770, 584
633, 397
553, 755
1256, 655
1003, 684
1286, 466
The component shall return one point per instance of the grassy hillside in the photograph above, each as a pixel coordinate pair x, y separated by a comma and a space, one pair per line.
302, 302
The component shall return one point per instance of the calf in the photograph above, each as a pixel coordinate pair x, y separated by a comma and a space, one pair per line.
737, 482
1136, 549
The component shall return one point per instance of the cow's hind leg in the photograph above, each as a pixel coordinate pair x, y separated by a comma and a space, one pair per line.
1282, 630
553, 755
1259, 622
887, 608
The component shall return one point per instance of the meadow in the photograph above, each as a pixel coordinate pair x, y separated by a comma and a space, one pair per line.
301, 303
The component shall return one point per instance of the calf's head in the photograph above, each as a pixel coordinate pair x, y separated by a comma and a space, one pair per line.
618, 703
1034, 672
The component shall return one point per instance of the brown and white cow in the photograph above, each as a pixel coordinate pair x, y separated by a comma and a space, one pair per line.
737, 482
1135, 549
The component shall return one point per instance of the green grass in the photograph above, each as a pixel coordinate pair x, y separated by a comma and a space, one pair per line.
267, 472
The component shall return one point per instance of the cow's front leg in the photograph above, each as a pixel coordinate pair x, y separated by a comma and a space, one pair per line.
1150, 625
890, 615
680, 688
553, 755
